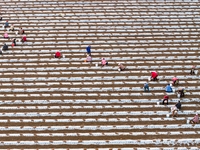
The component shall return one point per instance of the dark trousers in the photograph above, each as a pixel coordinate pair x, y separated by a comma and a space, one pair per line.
181, 93
192, 72
154, 79
164, 101
105, 64
175, 82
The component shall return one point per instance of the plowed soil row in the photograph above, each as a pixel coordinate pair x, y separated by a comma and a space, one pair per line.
127, 34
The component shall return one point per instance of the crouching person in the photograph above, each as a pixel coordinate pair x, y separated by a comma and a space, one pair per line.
192, 71
58, 55
168, 88
178, 105
88, 58
21, 31
181, 92
121, 67
24, 39
165, 99
5, 47
175, 81
103, 62
174, 111
195, 120
12, 28
6, 24
6, 35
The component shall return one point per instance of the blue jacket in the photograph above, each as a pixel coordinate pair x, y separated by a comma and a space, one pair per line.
168, 88
6, 24
146, 85
88, 49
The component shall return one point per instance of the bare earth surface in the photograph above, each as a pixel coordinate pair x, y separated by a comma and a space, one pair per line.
48, 103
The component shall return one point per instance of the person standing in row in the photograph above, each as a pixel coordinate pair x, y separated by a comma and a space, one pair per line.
88, 50
146, 87
14, 42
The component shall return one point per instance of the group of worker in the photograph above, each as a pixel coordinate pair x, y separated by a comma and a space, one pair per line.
177, 107
168, 88
154, 77
104, 62
6, 36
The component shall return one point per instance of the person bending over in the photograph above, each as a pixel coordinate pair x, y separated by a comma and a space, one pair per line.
154, 76
165, 99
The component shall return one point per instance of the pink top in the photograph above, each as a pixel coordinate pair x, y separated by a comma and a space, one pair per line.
89, 58
121, 66
154, 74
196, 119
174, 108
6, 35
174, 79
103, 62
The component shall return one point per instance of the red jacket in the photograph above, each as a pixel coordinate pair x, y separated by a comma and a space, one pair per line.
24, 38
58, 54
154, 74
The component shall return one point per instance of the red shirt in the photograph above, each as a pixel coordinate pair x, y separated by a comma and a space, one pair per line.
103, 62
166, 97
58, 54
154, 74
24, 38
